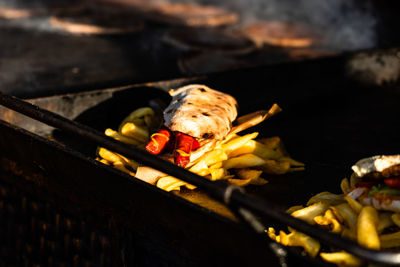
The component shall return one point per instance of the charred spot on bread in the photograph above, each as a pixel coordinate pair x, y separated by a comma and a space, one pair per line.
206, 114
202, 90
207, 135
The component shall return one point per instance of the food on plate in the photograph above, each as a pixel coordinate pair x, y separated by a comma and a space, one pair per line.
352, 214
199, 131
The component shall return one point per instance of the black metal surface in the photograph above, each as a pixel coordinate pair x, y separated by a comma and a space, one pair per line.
325, 123
216, 190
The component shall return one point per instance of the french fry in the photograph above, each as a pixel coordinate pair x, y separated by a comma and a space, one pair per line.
297, 239
120, 166
104, 161
293, 163
294, 208
213, 157
271, 233
396, 219
270, 142
341, 258
367, 234
238, 142
243, 161
217, 174
259, 181
256, 148
346, 213
330, 220
385, 221
354, 204
275, 167
345, 185
200, 168
390, 240
129, 162
190, 187
248, 173
138, 113
246, 148
169, 183
327, 198
216, 165
124, 139
309, 213
108, 155
131, 130
239, 182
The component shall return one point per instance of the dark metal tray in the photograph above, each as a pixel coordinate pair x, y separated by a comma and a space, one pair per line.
329, 121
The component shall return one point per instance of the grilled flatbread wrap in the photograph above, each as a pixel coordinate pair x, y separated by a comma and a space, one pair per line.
201, 112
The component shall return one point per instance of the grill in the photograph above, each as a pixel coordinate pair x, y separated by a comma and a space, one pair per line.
60, 207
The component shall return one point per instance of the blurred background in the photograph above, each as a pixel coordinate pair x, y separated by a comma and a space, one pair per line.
53, 46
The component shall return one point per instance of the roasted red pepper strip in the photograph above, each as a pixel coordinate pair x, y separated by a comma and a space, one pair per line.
195, 144
183, 147
393, 182
158, 141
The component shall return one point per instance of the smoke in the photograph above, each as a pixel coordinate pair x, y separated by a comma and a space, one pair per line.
341, 24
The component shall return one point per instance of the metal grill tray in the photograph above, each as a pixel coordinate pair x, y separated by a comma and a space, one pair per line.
329, 121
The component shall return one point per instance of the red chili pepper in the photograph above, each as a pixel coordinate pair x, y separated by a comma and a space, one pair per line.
183, 147
368, 184
195, 144
158, 141
393, 182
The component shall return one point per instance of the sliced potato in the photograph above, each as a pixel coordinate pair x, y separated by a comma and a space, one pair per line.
122, 138
396, 219
169, 183
330, 220
390, 240
341, 258
248, 173
270, 142
134, 131
345, 212
108, 155
239, 182
294, 208
120, 166
326, 197
238, 142
309, 213
345, 185
367, 223
139, 113
385, 221
217, 174
243, 161
310, 245
354, 204
200, 168
275, 167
